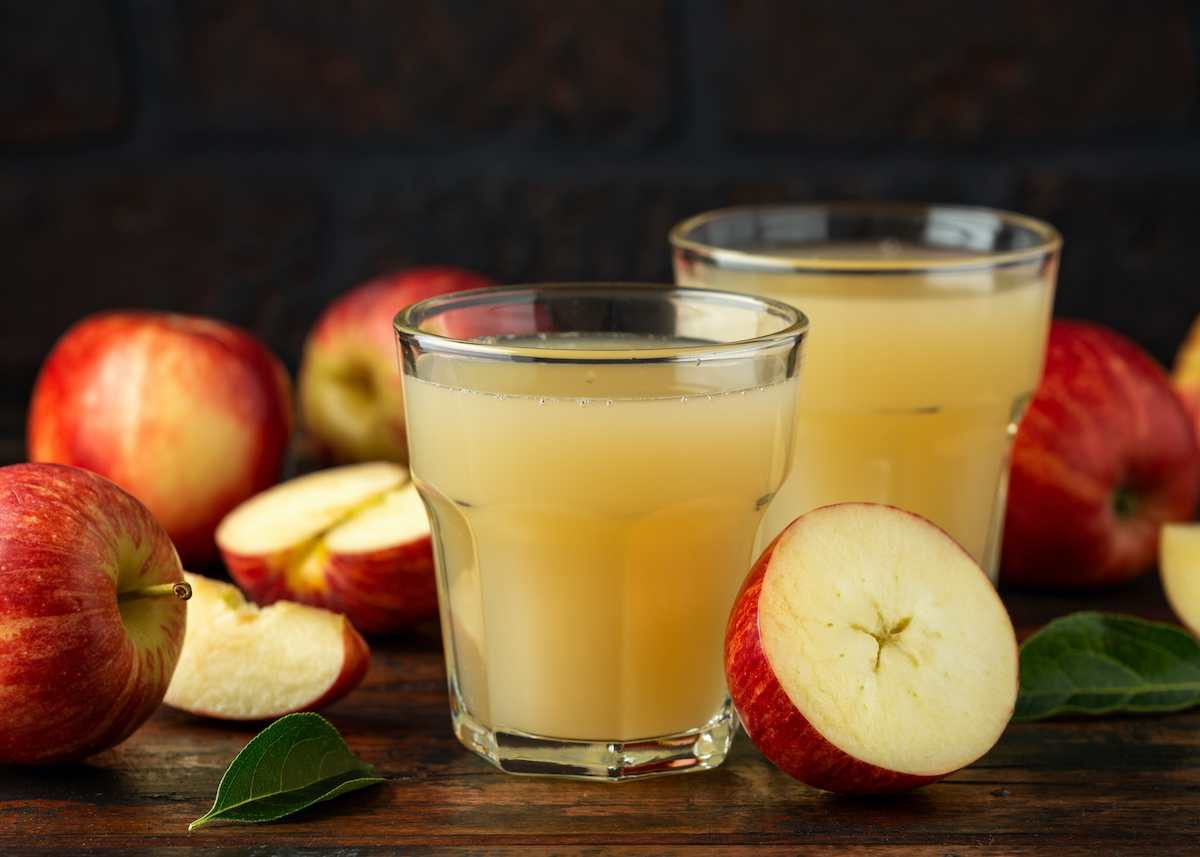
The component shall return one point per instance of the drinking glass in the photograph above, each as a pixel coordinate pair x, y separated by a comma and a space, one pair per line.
929, 326
595, 459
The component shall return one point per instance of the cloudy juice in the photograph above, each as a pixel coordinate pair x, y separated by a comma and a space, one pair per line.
595, 523
914, 381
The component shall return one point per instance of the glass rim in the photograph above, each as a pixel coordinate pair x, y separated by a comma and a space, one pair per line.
794, 325
1049, 244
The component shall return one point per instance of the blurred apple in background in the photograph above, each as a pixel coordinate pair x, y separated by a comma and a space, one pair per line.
348, 385
1185, 374
867, 652
189, 414
240, 662
91, 613
354, 539
1105, 455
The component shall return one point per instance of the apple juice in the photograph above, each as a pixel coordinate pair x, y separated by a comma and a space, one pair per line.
914, 381
593, 533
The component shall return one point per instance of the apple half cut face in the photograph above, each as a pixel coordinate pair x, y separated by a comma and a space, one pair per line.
354, 539
867, 652
243, 662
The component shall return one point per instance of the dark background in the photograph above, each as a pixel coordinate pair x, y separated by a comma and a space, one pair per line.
251, 159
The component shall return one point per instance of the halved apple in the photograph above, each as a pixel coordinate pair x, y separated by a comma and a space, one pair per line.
353, 539
243, 662
867, 652
1179, 569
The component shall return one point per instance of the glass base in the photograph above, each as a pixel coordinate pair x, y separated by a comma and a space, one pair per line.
534, 755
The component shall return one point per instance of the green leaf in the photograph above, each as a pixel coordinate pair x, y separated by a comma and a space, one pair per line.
1100, 663
298, 760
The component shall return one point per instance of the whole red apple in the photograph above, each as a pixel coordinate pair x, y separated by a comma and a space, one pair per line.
1104, 457
348, 384
189, 414
91, 616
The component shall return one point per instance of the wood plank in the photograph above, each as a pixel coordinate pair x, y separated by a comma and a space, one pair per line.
1064, 787
1128, 785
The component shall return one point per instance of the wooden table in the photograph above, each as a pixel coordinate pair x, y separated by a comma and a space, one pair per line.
1121, 785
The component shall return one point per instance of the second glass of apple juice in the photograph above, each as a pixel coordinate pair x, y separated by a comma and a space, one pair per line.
595, 459
929, 331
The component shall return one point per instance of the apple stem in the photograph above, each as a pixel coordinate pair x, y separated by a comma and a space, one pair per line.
181, 590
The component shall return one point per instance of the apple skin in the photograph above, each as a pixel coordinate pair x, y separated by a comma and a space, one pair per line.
191, 415
358, 659
76, 676
775, 725
354, 539
348, 385
1105, 455
381, 592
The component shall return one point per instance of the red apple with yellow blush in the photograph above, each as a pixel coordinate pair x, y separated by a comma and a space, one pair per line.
1104, 457
92, 613
348, 385
191, 415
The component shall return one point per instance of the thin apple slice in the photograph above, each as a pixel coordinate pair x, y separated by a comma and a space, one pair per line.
243, 662
1179, 569
1185, 374
868, 653
348, 388
353, 539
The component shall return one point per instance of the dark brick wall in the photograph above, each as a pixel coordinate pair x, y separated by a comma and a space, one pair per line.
250, 159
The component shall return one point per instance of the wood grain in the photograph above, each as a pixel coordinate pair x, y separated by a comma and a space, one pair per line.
1127, 785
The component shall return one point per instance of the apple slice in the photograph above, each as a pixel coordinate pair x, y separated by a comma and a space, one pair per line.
867, 653
243, 662
1179, 569
353, 539
1185, 374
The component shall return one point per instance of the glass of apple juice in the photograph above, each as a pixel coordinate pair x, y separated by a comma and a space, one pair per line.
595, 459
929, 331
